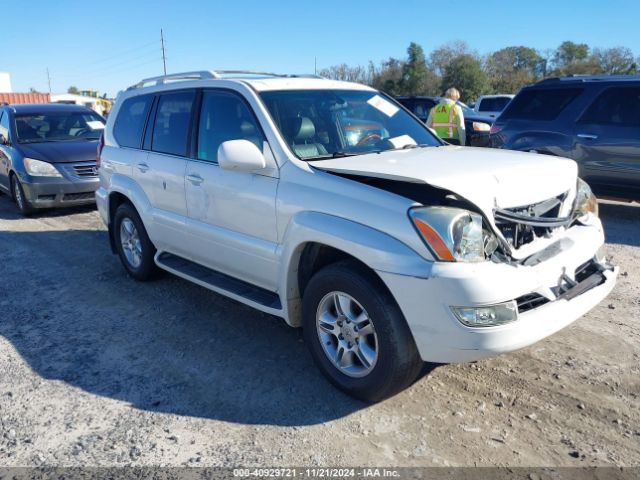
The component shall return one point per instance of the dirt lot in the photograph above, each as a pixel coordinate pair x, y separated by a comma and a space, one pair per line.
96, 369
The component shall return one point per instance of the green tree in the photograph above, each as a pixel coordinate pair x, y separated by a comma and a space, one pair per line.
73, 90
615, 61
442, 56
388, 77
466, 74
417, 78
570, 52
512, 67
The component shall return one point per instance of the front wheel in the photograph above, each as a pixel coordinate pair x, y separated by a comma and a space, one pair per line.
356, 333
18, 196
133, 244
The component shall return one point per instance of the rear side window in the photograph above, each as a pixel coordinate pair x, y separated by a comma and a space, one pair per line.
540, 104
131, 119
171, 128
4, 125
618, 106
493, 104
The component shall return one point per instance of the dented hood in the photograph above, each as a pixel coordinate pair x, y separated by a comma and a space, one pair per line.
489, 178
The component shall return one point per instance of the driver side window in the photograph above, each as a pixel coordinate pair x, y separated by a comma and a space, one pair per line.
225, 116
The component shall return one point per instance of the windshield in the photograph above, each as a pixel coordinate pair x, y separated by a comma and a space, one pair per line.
493, 104
58, 126
330, 123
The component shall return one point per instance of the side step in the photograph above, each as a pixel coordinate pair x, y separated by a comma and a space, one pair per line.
240, 290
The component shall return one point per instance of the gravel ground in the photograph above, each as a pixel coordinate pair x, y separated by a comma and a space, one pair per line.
97, 369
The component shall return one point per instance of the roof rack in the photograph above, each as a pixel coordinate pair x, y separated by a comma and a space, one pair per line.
591, 78
211, 75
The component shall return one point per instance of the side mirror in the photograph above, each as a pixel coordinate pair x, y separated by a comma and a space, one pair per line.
241, 156
3, 140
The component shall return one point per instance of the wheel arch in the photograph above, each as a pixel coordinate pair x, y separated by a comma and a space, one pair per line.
315, 240
125, 190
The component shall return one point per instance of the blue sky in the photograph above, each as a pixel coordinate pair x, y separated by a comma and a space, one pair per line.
112, 44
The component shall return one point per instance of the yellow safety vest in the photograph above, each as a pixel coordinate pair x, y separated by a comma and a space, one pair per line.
445, 119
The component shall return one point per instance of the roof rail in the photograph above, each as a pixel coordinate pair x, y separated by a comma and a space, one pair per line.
160, 80
576, 77
210, 75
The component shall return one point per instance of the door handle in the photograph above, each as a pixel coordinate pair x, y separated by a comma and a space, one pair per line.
143, 167
195, 179
587, 136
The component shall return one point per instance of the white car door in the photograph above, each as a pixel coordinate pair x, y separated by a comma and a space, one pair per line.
231, 214
162, 173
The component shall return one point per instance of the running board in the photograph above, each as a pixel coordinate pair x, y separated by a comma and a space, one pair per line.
232, 287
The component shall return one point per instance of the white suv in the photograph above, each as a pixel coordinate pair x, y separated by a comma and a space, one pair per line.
328, 204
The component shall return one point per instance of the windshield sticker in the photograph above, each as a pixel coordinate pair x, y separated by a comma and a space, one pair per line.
386, 107
401, 141
95, 125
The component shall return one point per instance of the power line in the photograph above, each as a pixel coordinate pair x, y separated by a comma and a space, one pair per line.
124, 53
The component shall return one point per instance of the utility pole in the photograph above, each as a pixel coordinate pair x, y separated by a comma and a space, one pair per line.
164, 58
49, 80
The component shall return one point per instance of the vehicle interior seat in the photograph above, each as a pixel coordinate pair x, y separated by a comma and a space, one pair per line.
300, 133
26, 131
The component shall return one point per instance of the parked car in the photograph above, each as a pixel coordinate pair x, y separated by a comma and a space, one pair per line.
594, 120
48, 155
491, 105
386, 245
476, 126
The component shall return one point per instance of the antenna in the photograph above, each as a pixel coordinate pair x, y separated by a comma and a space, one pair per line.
315, 65
164, 58
49, 80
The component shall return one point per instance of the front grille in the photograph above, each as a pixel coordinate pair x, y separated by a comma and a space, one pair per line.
522, 225
586, 276
79, 196
530, 301
87, 170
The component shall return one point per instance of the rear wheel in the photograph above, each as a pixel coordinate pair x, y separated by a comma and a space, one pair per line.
133, 244
356, 333
17, 192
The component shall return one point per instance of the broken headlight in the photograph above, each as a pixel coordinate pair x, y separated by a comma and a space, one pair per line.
453, 234
585, 202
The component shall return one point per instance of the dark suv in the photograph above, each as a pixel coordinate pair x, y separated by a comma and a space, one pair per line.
593, 120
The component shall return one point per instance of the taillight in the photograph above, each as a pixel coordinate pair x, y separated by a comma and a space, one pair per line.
494, 129
99, 150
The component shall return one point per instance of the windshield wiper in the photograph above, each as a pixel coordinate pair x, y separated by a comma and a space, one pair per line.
414, 145
338, 154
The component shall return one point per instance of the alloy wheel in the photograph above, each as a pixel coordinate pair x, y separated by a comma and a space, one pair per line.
347, 334
130, 242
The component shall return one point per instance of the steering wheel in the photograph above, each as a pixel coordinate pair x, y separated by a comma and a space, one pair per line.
368, 137
81, 132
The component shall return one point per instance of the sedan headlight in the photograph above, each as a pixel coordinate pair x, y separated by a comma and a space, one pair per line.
586, 202
38, 168
453, 234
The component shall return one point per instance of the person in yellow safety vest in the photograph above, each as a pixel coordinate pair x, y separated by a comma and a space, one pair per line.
447, 119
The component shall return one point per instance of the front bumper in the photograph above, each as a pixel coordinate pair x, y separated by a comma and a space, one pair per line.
440, 337
67, 190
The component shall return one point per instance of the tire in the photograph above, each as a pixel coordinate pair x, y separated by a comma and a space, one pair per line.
393, 364
17, 192
134, 247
